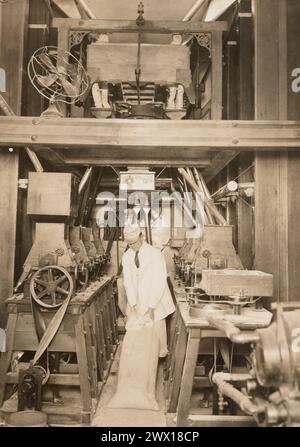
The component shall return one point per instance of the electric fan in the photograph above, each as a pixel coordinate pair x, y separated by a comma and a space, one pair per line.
58, 76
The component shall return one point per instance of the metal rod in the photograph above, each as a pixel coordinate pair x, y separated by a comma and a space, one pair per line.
86, 9
210, 205
186, 209
229, 187
84, 179
193, 10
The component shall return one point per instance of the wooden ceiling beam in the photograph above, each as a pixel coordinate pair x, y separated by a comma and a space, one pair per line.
130, 26
163, 162
203, 136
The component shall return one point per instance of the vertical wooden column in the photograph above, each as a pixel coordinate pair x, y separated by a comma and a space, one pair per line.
293, 180
14, 19
33, 104
231, 79
217, 75
38, 36
277, 241
269, 168
245, 112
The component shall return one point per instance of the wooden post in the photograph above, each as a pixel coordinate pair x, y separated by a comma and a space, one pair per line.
14, 19
177, 366
232, 79
277, 241
190, 362
217, 75
293, 112
85, 378
7, 356
246, 112
38, 36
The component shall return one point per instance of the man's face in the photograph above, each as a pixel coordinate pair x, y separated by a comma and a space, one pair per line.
137, 245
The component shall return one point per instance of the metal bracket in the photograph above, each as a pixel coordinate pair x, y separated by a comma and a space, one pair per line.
76, 37
204, 40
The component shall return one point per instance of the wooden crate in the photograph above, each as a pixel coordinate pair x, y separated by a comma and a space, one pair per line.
233, 282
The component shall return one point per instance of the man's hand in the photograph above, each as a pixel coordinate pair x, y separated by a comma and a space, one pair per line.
150, 312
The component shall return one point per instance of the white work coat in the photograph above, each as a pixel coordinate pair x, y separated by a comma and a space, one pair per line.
146, 286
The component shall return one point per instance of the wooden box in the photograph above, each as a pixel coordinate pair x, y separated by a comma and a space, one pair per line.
162, 64
235, 282
52, 194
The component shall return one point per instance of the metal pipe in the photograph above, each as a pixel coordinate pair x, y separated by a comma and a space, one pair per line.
234, 334
187, 211
229, 187
208, 202
84, 179
86, 9
227, 389
194, 9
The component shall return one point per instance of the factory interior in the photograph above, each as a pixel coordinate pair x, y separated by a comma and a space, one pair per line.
95, 96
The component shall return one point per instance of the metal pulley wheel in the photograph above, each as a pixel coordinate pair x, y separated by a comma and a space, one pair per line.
81, 277
50, 286
45, 372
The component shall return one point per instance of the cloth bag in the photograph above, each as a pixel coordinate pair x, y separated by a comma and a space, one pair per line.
138, 365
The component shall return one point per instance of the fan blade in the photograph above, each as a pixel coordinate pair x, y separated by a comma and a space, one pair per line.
70, 89
62, 71
47, 61
47, 81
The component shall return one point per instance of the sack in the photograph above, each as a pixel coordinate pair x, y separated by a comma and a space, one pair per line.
138, 366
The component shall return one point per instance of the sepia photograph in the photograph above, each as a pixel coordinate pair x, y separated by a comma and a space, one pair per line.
149, 212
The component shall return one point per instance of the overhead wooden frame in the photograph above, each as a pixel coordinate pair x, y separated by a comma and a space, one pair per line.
156, 142
215, 29
130, 26
209, 135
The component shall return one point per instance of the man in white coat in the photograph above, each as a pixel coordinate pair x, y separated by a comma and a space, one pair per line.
145, 282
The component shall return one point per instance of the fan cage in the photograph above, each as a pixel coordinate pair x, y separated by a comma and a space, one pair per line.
61, 60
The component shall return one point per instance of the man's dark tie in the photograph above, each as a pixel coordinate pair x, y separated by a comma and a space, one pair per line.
136, 259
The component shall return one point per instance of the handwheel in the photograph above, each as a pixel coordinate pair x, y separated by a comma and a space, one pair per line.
50, 286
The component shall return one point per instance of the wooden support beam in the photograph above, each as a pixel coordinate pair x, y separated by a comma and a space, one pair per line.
13, 39
216, 75
246, 112
205, 135
38, 35
8, 217
293, 180
276, 175
130, 26
240, 82
13, 27
219, 162
68, 7
157, 162
232, 81
54, 379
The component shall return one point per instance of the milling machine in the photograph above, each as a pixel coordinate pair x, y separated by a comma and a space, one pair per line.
214, 250
63, 255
